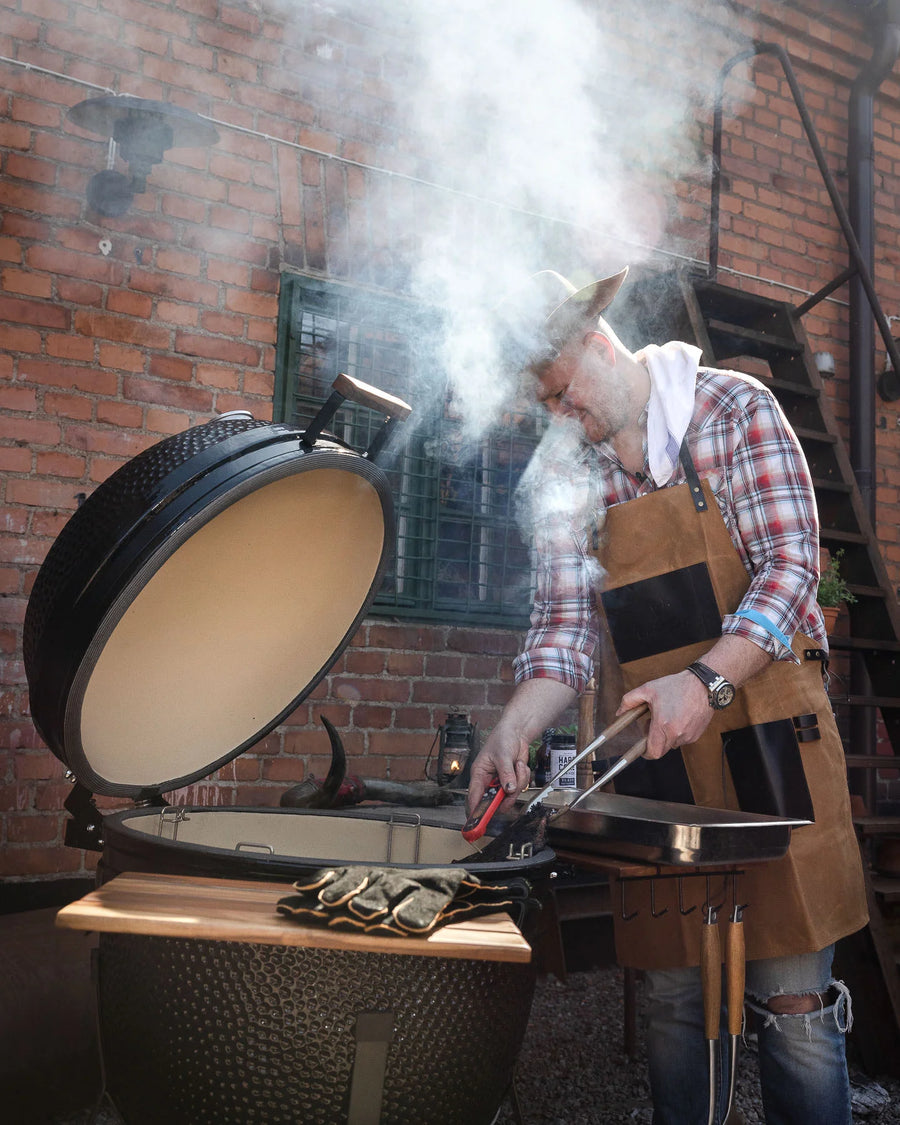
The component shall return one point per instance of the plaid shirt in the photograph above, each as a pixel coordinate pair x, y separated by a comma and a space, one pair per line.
743, 445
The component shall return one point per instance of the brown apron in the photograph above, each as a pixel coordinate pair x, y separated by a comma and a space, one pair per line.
672, 574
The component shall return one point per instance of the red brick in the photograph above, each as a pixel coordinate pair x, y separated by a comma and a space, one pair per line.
29, 168
15, 459
22, 339
27, 284
411, 664
81, 265
38, 113
168, 394
41, 494
68, 406
167, 421
414, 718
216, 347
171, 367
114, 442
363, 662
118, 358
32, 829
56, 464
232, 273
177, 313
222, 324
176, 261
124, 414
79, 292
372, 716
262, 331
438, 665
130, 303
23, 860
180, 207
68, 376
217, 375
69, 347
29, 430
33, 766
256, 304
17, 398
37, 313
122, 329
393, 743
228, 218
283, 769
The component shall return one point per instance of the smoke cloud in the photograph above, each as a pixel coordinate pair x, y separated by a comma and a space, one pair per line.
567, 127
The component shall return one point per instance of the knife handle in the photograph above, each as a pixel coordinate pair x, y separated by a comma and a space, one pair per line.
711, 975
735, 970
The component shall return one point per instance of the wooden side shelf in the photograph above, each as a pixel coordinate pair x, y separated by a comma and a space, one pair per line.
244, 911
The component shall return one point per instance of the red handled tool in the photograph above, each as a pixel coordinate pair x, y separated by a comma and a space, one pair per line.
475, 826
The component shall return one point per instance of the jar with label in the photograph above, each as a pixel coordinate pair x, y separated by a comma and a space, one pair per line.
558, 749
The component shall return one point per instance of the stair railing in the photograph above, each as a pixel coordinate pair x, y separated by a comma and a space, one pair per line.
889, 390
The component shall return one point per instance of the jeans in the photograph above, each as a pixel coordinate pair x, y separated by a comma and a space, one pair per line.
802, 1062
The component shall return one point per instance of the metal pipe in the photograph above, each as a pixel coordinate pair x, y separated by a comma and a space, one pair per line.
861, 208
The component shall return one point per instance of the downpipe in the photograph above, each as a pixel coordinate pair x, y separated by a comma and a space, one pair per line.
861, 208
885, 29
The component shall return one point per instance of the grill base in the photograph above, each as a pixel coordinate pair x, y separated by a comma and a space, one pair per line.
210, 1033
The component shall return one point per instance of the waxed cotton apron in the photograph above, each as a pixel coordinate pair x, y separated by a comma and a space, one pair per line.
672, 574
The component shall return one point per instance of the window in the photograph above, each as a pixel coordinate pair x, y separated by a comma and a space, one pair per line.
458, 556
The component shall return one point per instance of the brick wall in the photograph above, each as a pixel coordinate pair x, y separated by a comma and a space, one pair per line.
108, 348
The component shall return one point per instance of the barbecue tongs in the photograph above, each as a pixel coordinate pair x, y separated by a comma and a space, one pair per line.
475, 826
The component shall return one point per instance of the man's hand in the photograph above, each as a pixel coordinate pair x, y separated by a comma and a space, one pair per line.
679, 704
533, 707
504, 755
679, 711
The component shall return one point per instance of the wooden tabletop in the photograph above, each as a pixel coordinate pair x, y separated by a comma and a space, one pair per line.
244, 910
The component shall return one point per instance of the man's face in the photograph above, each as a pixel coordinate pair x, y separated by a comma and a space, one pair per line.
580, 383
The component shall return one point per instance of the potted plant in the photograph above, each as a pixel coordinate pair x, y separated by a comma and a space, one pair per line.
833, 590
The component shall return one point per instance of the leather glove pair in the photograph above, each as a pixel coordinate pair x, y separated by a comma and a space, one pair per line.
392, 900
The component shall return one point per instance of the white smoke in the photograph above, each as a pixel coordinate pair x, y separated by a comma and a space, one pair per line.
544, 109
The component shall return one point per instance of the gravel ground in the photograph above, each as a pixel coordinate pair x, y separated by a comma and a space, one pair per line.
573, 1069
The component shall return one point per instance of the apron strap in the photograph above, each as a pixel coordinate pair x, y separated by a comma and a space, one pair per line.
687, 463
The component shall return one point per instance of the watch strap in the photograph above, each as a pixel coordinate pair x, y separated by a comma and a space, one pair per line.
703, 672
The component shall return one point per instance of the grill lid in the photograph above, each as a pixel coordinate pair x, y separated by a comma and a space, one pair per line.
201, 593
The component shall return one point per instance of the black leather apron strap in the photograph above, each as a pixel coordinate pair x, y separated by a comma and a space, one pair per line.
693, 480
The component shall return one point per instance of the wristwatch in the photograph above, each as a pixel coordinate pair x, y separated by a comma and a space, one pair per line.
721, 692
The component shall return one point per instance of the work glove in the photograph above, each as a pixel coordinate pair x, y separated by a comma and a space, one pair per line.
395, 900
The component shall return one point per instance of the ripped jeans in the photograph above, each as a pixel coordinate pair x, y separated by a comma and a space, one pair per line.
802, 1062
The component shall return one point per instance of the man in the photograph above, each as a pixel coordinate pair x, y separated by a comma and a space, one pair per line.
702, 517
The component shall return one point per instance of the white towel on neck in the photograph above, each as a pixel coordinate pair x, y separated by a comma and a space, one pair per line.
673, 378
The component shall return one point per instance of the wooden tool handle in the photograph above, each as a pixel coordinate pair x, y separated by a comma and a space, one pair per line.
618, 725
634, 752
366, 395
735, 969
711, 977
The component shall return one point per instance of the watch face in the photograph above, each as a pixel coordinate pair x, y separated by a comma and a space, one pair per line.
722, 696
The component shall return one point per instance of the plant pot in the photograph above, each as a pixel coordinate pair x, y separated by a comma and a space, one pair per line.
830, 614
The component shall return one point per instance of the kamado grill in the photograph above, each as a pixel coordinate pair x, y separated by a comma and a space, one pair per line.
190, 604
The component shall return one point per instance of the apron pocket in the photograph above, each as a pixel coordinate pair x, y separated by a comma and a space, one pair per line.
767, 769
659, 614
